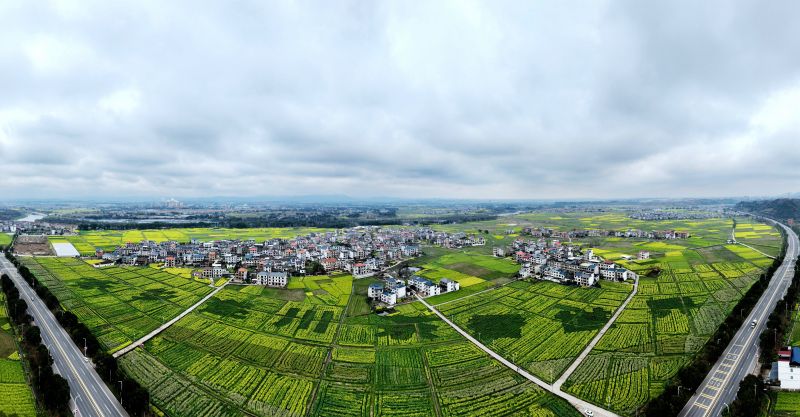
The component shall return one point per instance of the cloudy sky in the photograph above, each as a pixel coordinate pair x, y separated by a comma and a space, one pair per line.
491, 99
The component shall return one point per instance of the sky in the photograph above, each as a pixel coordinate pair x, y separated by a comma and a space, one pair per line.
413, 99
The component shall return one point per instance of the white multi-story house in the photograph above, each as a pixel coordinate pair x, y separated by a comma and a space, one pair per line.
643, 254
498, 251
786, 370
272, 278
448, 285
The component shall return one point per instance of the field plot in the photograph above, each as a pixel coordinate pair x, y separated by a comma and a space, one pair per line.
760, 236
690, 293
475, 271
5, 239
542, 326
15, 393
296, 352
787, 404
87, 241
119, 304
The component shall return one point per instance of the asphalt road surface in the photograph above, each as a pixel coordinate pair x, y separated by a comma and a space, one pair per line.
90, 395
719, 388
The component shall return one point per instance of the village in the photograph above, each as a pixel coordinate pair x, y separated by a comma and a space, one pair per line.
564, 264
363, 251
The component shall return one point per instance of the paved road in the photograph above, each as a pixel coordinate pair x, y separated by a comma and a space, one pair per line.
581, 405
92, 397
721, 384
164, 326
560, 381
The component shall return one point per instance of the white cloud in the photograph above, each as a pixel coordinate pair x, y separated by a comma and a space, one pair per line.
508, 99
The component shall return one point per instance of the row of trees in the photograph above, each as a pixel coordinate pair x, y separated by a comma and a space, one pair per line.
752, 395
133, 397
678, 391
52, 390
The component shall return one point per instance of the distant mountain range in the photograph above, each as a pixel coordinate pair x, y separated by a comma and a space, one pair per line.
780, 209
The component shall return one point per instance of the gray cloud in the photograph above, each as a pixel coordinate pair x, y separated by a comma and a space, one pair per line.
504, 99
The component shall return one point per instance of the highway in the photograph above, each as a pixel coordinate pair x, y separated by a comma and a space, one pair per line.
720, 386
90, 395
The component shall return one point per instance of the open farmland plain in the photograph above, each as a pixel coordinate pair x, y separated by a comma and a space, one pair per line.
86, 242
307, 350
16, 397
118, 304
315, 348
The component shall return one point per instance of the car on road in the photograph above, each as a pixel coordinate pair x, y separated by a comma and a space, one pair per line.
588, 412
753, 324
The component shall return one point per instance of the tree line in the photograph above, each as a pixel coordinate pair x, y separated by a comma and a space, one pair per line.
133, 397
679, 390
52, 390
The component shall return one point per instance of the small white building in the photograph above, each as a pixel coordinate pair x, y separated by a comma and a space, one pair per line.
786, 370
499, 252
374, 290
585, 279
448, 285
643, 254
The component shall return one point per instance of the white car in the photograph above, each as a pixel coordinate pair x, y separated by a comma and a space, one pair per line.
589, 412
753, 324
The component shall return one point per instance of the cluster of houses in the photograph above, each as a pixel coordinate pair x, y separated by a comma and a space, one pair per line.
362, 251
394, 289
565, 264
585, 233
660, 214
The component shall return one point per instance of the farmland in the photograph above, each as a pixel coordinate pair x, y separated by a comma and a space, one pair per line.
16, 395
5, 239
787, 404
541, 326
308, 350
119, 304
474, 270
315, 348
684, 294
87, 241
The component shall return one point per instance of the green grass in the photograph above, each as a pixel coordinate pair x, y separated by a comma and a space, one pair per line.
16, 395
5, 239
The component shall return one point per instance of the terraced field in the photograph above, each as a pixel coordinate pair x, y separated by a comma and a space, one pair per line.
16, 397
87, 241
118, 304
666, 323
266, 352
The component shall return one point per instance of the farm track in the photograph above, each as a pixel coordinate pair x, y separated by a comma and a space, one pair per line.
166, 325
579, 404
563, 378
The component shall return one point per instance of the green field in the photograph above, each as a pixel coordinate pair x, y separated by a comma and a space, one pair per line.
787, 404
5, 239
690, 293
541, 326
16, 395
118, 304
87, 241
268, 352
315, 348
